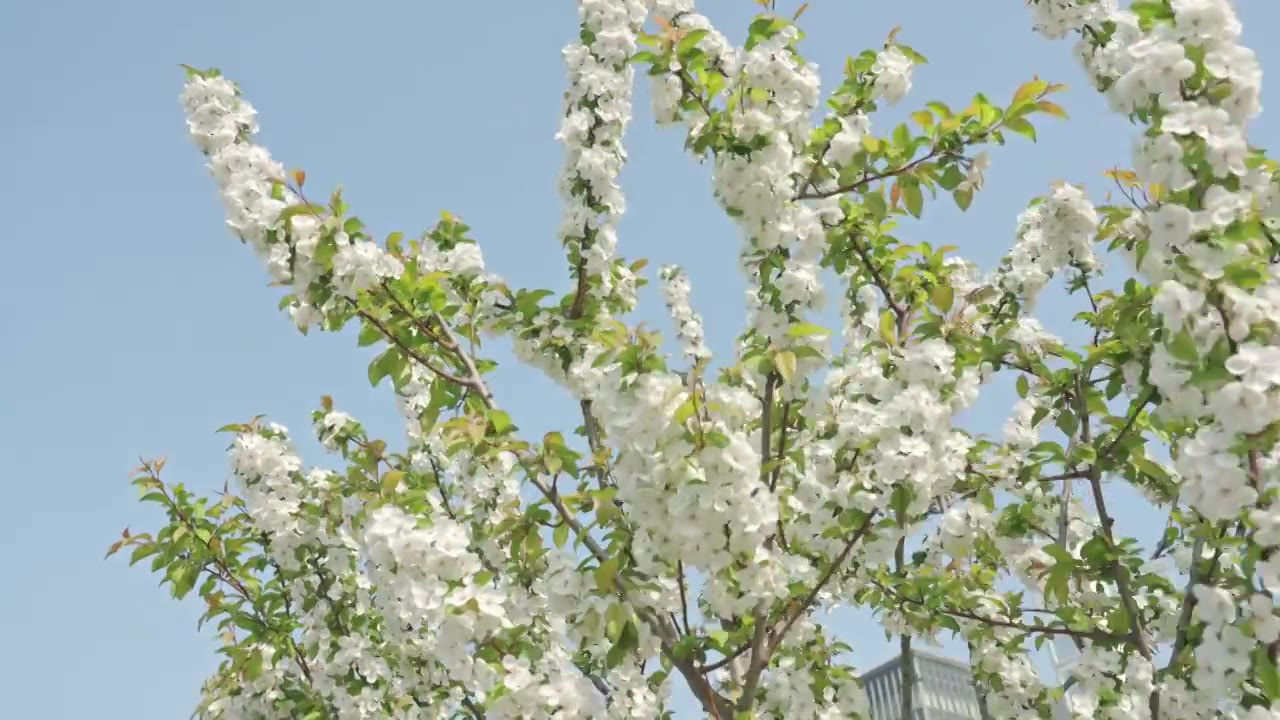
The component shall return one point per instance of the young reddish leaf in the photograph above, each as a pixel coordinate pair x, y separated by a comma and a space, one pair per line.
1051, 108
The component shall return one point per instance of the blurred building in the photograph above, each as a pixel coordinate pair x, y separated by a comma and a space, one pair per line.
1063, 654
943, 689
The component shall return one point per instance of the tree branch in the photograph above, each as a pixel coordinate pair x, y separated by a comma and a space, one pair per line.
1137, 635
831, 570
759, 658
1028, 628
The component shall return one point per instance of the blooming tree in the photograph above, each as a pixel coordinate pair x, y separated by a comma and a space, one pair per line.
708, 517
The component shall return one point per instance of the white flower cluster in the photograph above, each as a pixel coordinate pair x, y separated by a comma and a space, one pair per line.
259, 699
760, 187
848, 141
892, 69
221, 123
1020, 684
1127, 677
1051, 234
896, 406
598, 109
1056, 18
789, 693
675, 289
268, 471
668, 88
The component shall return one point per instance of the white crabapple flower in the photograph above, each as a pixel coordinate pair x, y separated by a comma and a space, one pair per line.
331, 425
215, 113
1058, 231
1263, 619
675, 290
1176, 303
1056, 18
1159, 161
222, 125
597, 112
1215, 606
892, 69
848, 141
974, 176
463, 259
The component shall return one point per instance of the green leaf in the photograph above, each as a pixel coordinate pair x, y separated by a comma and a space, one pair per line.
785, 362
913, 197
382, 366
690, 39
963, 198
943, 297
806, 330
628, 640
902, 136
253, 665
951, 178
1183, 347
560, 535
1266, 672
500, 420
888, 327
940, 108
369, 335
1211, 376
606, 575
1147, 466
1021, 126
391, 480
184, 579
143, 551
685, 411
301, 208
1066, 422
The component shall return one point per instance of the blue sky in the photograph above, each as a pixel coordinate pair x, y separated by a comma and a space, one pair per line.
137, 325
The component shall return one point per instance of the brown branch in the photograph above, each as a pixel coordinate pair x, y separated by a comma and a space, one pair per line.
826, 576
417, 356
684, 600
1070, 475
759, 658
870, 178
580, 292
231, 580
1128, 425
1021, 627
934, 152
905, 665
876, 277
782, 449
1137, 635
686, 85
725, 660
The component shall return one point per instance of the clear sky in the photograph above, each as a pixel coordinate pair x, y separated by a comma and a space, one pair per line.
137, 324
